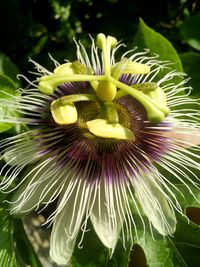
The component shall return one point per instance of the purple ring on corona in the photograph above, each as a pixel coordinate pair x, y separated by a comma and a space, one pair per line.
99, 129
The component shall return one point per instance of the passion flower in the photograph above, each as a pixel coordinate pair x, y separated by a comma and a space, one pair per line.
98, 131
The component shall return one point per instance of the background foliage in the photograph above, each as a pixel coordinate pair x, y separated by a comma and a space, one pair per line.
34, 28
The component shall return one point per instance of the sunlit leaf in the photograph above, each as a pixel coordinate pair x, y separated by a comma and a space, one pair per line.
92, 252
15, 247
7, 90
157, 44
156, 250
8, 68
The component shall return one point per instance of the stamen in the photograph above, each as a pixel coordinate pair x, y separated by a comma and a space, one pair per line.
145, 88
64, 114
75, 67
118, 69
81, 68
159, 96
101, 128
47, 84
76, 98
66, 68
128, 67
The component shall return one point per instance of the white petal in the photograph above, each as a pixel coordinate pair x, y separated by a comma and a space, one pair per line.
103, 128
105, 217
61, 246
68, 222
155, 205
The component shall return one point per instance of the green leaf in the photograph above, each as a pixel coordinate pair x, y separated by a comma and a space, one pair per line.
6, 82
185, 244
182, 250
191, 64
8, 257
14, 244
156, 250
173, 251
8, 68
92, 253
148, 38
190, 31
2, 195
7, 90
120, 257
188, 199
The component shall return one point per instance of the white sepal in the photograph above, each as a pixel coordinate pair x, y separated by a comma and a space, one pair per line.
68, 221
155, 204
105, 216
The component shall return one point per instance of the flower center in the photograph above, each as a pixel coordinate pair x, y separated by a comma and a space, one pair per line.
107, 89
91, 114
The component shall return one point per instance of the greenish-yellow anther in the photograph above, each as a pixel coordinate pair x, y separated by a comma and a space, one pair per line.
46, 87
146, 87
159, 96
125, 66
65, 69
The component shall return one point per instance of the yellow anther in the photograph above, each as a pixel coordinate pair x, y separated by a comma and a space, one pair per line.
101, 128
81, 68
45, 87
63, 114
66, 68
75, 67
